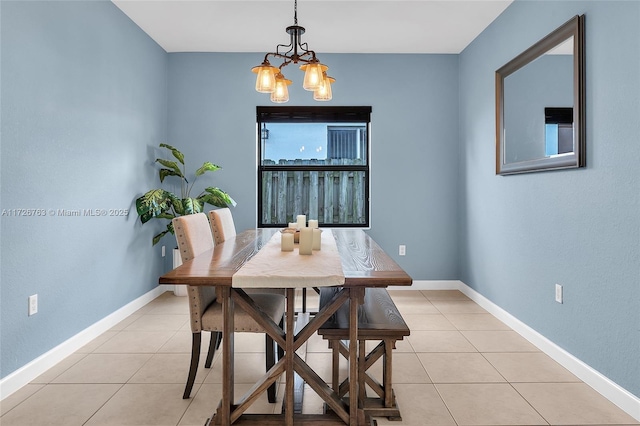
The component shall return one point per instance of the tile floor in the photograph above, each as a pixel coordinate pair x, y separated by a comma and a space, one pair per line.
460, 366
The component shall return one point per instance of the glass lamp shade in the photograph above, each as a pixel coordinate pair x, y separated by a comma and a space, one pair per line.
281, 93
313, 75
266, 79
324, 91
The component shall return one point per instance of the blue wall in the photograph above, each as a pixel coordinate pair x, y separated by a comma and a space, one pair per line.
84, 96
414, 140
520, 235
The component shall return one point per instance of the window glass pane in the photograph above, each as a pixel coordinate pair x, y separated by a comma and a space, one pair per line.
313, 141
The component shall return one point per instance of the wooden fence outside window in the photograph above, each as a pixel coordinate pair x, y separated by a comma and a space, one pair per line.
331, 196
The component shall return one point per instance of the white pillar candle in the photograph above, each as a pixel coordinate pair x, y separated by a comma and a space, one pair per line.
286, 241
313, 223
317, 239
293, 225
302, 221
306, 241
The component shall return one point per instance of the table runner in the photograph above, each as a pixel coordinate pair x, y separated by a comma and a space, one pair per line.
273, 268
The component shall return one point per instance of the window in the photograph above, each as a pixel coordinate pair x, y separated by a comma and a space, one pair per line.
558, 123
313, 161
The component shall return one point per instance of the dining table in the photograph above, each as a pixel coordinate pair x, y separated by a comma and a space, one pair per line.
348, 259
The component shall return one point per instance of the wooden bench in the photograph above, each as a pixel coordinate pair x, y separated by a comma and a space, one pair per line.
378, 320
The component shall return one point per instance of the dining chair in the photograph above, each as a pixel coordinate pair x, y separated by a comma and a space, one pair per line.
224, 228
222, 225
194, 237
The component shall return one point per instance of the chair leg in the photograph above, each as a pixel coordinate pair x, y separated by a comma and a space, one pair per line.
219, 340
193, 369
271, 355
214, 343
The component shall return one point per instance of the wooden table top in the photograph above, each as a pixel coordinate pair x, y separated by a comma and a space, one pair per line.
364, 263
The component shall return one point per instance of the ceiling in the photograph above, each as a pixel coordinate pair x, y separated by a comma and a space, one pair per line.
345, 26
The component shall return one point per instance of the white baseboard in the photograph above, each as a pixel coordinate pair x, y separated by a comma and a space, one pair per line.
33, 369
430, 285
603, 385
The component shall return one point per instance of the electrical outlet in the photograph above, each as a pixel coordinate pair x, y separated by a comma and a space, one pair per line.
402, 250
163, 251
558, 293
33, 304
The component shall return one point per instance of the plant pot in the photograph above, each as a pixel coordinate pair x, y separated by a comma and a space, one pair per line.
178, 289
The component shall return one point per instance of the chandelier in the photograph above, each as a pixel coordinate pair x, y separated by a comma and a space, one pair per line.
271, 80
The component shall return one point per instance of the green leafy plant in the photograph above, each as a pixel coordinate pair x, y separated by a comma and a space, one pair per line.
162, 204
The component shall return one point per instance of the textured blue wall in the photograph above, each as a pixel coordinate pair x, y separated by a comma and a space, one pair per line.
520, 235
84, 96
414, 140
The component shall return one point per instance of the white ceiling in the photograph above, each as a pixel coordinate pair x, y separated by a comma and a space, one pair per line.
346, 26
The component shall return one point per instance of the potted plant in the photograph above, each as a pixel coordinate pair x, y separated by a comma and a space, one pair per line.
162, 204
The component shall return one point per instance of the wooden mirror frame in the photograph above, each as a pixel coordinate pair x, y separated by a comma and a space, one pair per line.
572, 28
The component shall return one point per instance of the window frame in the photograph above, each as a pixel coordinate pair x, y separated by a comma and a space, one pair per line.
334, 115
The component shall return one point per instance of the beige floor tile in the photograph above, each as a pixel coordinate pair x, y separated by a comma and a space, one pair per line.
249, 368
572, 404
97, 342
18, 396
317, 344
158, 323
418, 322
488, 404
180, 342
204, 401
459, 368
420, 405
529, 367
440, 341
60, 405
128, 320
444, 295
249, 342
143, 404
499, 341
407, 368
476, 322
104, 368
49, 375
402, 345
321, 364
312, 403
452, 306
171, 306
412, 302
169, 368
136, 342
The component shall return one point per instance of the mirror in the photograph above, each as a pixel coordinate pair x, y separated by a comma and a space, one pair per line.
540, 104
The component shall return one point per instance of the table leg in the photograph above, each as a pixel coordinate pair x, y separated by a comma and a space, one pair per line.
362, 355
356, 296
289, 355
227, 357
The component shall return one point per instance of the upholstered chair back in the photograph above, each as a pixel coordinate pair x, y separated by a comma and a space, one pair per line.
194, 237
222, 226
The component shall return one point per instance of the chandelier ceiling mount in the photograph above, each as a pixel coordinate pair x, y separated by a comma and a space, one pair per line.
271, 80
